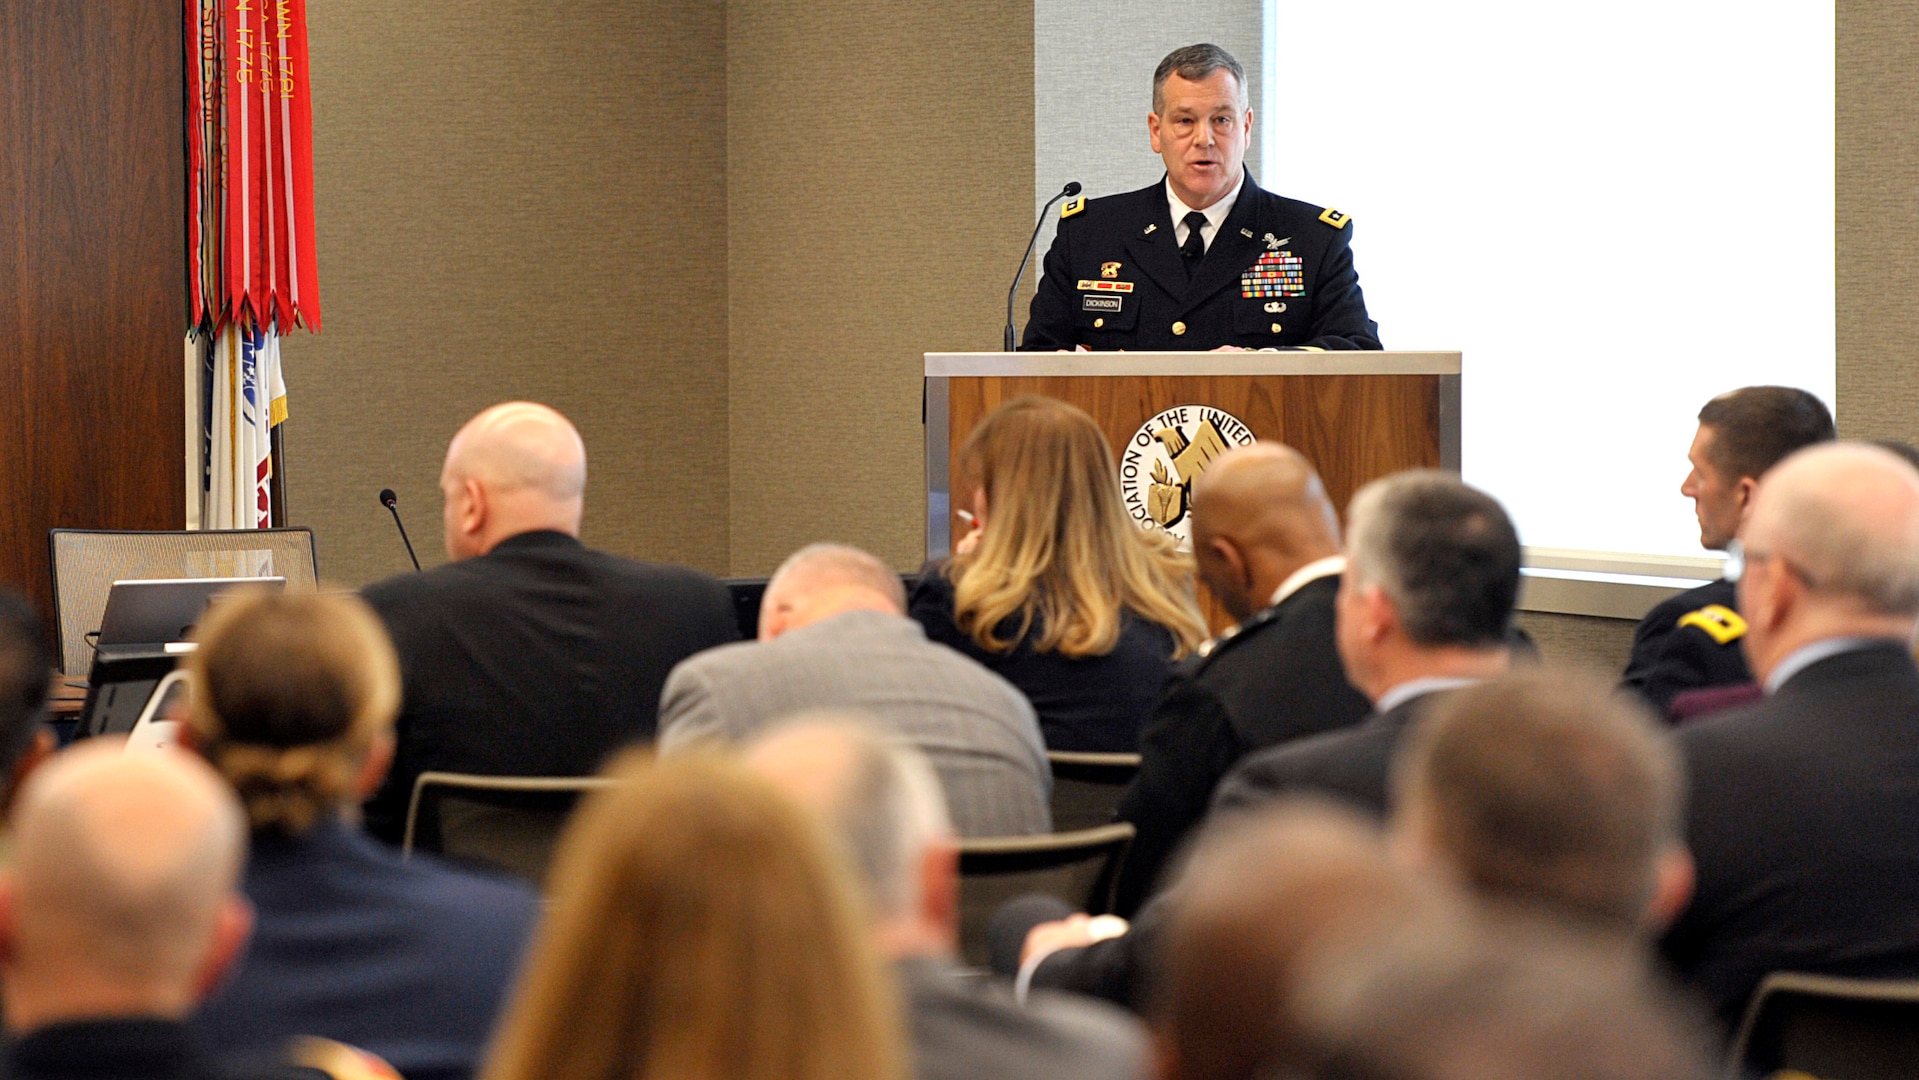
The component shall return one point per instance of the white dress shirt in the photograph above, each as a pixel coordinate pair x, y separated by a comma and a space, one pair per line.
1215, 214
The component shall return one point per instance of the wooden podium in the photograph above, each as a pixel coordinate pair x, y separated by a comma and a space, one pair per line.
1356, 415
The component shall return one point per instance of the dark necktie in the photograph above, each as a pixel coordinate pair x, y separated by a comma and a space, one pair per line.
1195, 246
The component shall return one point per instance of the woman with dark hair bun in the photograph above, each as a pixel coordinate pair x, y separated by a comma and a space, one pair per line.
294, 696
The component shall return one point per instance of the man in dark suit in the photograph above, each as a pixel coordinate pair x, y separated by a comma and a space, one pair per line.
1805, 808
1690, 642
528, 653
1432, 573
1267, 543
1205, 258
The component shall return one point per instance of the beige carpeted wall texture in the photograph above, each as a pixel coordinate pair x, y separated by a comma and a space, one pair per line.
518, 199
718, 237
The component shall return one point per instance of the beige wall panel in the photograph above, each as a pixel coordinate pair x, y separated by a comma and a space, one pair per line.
1877, 189
516, 199
880, 178
1581, 641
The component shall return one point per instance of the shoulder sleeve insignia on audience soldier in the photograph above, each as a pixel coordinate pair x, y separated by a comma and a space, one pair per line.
1073, 206
1721, 622
1334, 218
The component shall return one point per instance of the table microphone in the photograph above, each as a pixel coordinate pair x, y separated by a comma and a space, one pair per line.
1071, 189
392, 503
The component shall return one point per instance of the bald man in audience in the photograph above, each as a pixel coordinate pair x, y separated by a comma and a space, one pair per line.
1266, 539
1551, 792
882, 800
529, 653
834, 634
119, 913
1804, 815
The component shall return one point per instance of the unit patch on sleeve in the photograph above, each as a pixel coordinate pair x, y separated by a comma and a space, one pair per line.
1722, 623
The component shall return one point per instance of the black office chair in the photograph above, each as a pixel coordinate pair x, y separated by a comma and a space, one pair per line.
1830, 1027
1079, 867
507, 824
1087, 787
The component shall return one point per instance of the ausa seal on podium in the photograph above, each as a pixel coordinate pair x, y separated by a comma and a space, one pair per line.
1205, 258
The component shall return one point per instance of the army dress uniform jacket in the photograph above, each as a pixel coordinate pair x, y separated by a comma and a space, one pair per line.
1688, 642
1279, 274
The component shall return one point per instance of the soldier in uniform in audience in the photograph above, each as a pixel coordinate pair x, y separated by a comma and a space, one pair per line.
1204, 258
1690, 642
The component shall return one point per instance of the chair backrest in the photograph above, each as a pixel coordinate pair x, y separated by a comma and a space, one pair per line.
1078, 867
86, 563
1087, 787
1825, 1026
508, 824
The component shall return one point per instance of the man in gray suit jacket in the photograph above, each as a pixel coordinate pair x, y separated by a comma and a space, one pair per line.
882, 799
834, 635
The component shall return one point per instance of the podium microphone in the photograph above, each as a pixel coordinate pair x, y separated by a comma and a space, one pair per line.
392, 503
1071, 189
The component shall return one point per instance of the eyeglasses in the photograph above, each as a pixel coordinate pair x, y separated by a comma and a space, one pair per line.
1740, 559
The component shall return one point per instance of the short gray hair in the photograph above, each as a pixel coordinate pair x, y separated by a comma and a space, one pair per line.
1193, 63
890, 811
1446, 554
819, 565
1846, 515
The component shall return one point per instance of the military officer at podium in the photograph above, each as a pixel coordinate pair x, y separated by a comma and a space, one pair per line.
1204, 258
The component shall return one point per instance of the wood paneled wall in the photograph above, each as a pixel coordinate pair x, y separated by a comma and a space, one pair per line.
92, 274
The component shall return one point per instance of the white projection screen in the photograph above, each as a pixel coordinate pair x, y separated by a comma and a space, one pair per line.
1615, 211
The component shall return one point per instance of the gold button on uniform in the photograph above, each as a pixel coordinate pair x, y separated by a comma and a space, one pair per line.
1275, 328
1179, 328
1097, 323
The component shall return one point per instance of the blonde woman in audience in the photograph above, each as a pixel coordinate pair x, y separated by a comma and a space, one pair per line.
701, 929
1056, 588
294, 700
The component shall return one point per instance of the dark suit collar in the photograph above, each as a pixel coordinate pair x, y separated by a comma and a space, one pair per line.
1875, 660
538, 540
1152, 244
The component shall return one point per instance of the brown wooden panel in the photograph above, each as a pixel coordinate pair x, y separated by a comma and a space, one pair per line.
92, 273
1354, 428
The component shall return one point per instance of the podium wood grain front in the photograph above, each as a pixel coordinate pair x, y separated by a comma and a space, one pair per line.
1356, 416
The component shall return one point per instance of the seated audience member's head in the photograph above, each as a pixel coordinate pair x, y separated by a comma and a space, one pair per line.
1831, 551
1260, 513
1260, 892
1742, 433
820, 581
120, 901
294, 699
1500, 998
1548, 789
515, 468
883, 800
1432, 573
703, 927
1057, 553
26, 674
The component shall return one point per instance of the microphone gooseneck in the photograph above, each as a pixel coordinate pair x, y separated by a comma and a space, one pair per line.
1071, 189
392, 503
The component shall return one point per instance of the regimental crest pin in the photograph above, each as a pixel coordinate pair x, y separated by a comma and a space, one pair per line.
1109, 270
1149, 230
1247, 233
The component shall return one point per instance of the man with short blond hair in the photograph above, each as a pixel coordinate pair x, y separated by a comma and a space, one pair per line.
529, 653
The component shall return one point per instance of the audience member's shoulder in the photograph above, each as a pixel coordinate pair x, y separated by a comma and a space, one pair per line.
440, 886
1666, 615
1265, 773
